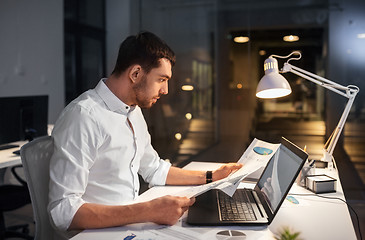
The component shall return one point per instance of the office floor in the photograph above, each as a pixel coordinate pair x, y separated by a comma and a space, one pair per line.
22, 215
230, 148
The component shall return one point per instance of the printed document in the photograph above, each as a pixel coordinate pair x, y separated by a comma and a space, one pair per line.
256, 156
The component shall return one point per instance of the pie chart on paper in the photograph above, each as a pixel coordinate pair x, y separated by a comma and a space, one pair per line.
262, 150
230, 235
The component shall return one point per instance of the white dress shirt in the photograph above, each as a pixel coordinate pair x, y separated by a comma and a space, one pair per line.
97, 155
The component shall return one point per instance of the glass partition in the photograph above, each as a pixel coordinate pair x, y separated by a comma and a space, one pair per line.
221, 46
183, 123
220, 75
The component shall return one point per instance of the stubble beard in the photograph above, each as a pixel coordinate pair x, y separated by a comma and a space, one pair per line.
140, 89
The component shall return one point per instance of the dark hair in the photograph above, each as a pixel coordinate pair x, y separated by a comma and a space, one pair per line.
145, 49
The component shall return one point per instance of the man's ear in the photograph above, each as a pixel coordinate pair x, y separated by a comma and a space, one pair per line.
135, 72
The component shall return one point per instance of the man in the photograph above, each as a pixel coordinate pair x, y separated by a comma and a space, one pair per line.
102, 144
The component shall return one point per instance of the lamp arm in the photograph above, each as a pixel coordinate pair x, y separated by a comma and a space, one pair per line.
332, 141
350, 93
316, 79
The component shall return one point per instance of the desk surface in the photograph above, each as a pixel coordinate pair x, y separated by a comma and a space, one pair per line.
8, 158
313, 217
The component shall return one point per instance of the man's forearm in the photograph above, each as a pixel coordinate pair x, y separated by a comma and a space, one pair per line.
91, 215
178, 176
163, 210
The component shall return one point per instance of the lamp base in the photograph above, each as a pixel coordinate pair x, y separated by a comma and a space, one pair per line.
320, 164
321, 183
330, 166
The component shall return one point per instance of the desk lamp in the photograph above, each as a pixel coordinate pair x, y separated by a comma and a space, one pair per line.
274, 85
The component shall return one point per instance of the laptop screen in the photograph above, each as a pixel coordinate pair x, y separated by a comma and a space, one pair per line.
278, 175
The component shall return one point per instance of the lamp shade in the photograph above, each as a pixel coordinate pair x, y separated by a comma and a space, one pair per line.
272, 84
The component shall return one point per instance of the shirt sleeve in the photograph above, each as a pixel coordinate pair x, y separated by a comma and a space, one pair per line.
75, 143
153, 169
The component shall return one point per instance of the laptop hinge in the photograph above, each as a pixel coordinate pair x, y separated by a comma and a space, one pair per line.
259, 205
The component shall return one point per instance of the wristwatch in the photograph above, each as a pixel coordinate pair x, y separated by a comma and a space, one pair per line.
209, 177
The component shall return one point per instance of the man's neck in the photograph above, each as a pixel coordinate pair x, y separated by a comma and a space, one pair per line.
121, 88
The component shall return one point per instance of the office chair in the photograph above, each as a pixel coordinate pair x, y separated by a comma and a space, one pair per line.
13, 197
35, 157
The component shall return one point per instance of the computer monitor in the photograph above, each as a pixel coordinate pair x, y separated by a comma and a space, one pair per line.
23, 118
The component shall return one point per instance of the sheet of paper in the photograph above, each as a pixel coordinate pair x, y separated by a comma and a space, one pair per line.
176, 232
256, 156
140, 235
156, 192
200, 189
160, 233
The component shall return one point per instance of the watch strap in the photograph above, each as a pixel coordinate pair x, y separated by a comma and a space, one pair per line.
209, 176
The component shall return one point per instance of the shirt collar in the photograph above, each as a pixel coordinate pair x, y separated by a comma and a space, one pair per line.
112, 101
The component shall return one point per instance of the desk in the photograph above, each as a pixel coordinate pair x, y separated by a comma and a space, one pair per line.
9, 159
313, 217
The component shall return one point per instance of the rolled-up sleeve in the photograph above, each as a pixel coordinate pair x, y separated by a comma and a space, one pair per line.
74, 153
153, 169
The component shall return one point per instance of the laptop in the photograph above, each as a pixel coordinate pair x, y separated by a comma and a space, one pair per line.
256, 206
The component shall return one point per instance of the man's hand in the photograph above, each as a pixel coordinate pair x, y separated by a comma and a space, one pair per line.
168, 209
225, 170
163, 210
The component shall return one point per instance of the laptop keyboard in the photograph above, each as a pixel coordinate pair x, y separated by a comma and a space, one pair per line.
235, 208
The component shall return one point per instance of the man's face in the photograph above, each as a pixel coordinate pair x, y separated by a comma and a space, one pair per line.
152, 85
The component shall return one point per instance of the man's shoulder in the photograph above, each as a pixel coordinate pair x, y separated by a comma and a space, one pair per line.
82, 111
85, 107
86, 102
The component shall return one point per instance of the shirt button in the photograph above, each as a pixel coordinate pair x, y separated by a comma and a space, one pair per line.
135, 190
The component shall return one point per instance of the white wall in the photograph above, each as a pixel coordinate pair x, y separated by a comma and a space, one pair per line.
31, 51
31, 47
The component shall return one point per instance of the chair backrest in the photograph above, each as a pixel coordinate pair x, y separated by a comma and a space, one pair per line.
35, 157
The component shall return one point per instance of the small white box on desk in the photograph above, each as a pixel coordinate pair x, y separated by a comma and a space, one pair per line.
321, 183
